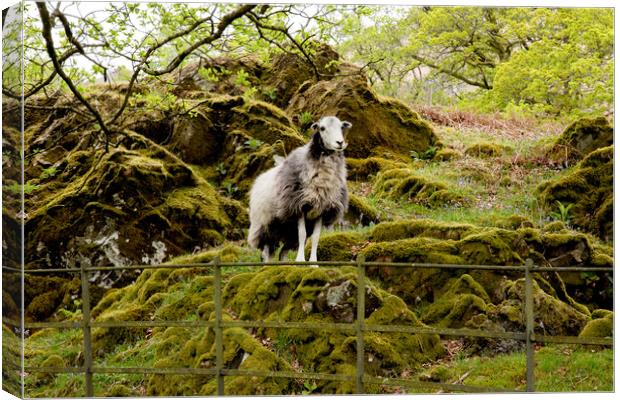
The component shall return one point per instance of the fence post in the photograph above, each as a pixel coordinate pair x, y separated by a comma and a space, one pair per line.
88, 348
529, 327
361, 307
219, 349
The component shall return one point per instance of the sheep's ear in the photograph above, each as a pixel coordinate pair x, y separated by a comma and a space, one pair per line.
346, 125
315, 126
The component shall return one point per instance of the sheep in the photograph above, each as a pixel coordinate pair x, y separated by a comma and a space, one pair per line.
302, 193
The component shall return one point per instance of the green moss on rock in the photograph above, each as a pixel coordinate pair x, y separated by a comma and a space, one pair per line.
394, 230
589, 187
377, 121
402, 183
485, 150
447, 154
361, 212
581, 138
339, 246
364, 168
269, 294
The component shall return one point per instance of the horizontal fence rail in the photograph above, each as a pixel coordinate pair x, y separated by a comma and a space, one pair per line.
359, 327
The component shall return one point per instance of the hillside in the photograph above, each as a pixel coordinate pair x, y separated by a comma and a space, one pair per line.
427, 184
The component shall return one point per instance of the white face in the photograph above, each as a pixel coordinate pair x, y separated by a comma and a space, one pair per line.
331, 131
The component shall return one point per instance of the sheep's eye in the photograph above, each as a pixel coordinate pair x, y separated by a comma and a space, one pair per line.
322, 128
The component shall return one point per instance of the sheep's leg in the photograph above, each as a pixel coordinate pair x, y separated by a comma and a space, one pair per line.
315, 240
301, 235
265, 253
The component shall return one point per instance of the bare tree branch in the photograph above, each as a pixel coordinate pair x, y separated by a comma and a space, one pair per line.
49, 44
454, 74
224, 23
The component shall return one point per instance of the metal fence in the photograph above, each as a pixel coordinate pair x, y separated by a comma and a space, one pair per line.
359, 327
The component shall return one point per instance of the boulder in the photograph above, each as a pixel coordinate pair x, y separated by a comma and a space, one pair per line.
381, 126
589, 188
581, 138
127, 206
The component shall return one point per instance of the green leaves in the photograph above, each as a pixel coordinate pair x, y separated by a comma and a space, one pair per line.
563, 213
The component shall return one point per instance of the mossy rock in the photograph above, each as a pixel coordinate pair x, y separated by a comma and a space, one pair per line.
551, 315
394, 230
366, 168
486, 150
53, 361
426, 241
599, 327
404, 184
119, 390
289, 73
580, 138
465, 303
202, 136
460, 302
282, 293
514, 222
589, 188
554, 227
447, 154
361, 212
378, 122
339, 246
136, 206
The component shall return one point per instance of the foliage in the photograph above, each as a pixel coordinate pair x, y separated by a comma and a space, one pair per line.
253, 143
28, 188
427, 154
563, 213
305, 118
529, 60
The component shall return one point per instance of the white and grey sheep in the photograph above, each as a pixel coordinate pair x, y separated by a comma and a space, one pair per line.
304, 192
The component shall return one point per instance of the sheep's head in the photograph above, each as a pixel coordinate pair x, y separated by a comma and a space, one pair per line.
332, 132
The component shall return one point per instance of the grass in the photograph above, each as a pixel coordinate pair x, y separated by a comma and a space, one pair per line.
559, 368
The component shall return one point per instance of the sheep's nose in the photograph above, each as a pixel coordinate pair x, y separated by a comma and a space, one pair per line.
339, 142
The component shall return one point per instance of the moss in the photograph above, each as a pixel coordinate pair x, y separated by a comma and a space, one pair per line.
361, 212
589, 187
445, 197
438, 373
414, 250
462, 299
119, 390
227, 253
599, 327
581, 138
379, 123
601, 313
551, 315
485, 150
555, 226
514, 222
53, 361
447, 154
276, 294
394, 230
492, 247
363, 169
339, 246
160, 193
454, 312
